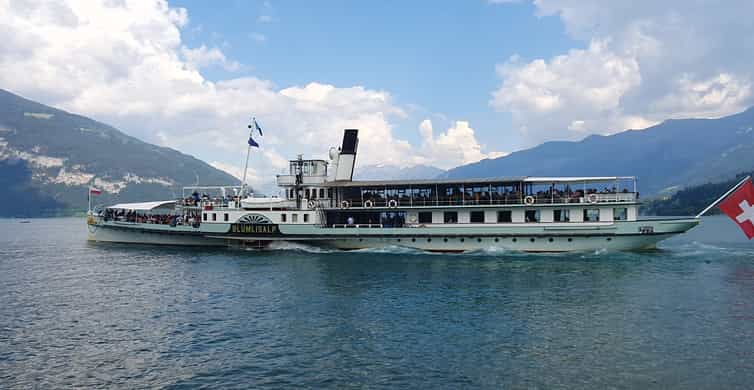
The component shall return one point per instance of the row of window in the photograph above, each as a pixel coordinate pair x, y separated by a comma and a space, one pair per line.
294, 217
214, 216
505, 216
311, 193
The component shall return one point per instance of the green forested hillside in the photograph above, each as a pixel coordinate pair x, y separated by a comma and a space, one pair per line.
692, 200
49, 157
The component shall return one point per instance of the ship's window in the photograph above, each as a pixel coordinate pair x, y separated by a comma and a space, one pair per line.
561, 215
214, 216
450, 217
425, 217
531, 215
306, 217
321, 192
283, 217
314, 193
591, 215
294, 217
225, 217
204, 216
620, 214
308, 193
504, 216
477, 217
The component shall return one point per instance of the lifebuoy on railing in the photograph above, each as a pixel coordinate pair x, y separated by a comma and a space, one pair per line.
392, 203
591, 198
312, 204
344, 204
368, 204
529, 200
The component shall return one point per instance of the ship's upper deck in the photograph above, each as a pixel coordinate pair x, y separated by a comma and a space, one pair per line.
480, 181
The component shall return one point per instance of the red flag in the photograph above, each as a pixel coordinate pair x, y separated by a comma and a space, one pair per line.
94, 191
739, 206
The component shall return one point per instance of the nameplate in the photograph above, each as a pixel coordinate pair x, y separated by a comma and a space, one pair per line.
254, 229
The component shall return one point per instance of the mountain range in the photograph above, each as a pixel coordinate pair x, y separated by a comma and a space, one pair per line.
49, 158
669, 156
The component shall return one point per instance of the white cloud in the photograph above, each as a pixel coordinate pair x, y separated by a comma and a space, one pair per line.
458, 145
645, 61
125, 63
202, 57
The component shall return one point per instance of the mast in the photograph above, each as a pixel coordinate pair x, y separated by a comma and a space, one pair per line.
246, 165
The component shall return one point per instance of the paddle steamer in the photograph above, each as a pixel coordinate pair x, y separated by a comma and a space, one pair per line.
320, 204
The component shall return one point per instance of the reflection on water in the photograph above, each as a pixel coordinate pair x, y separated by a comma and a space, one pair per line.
80, 315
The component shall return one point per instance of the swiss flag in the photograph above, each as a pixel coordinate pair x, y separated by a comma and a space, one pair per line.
739, 206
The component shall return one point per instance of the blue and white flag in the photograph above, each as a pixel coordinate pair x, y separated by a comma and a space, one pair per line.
253, 143
256, 125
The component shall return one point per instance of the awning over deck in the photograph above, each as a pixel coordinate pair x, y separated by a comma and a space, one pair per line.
144, 206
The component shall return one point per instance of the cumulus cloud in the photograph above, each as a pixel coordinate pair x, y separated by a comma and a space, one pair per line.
458, 145
125, 63
644, 61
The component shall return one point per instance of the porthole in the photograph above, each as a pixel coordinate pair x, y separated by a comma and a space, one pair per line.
570, 239
413, 240
399, 240
609, 238
497, 239
532, 239
429, 240
514, 240
463, 239
445, 239
478, 240
361, 239
550, 239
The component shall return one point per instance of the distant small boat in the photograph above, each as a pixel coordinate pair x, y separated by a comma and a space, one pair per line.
25, 221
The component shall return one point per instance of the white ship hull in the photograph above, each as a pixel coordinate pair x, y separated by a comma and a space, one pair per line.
133, 235
523, 244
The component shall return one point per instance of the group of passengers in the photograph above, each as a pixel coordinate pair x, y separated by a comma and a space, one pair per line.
554, 195
133, 216
197, 200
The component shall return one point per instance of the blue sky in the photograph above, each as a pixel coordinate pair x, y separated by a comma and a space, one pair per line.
439, 58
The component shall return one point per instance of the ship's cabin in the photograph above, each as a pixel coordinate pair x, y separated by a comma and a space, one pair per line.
492, 200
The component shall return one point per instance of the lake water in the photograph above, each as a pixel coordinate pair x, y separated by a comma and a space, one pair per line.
74, 314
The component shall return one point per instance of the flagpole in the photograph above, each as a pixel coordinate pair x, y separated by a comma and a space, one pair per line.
725, 195
89, 192
246, 165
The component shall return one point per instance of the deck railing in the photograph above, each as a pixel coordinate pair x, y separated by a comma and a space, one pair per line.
629, 197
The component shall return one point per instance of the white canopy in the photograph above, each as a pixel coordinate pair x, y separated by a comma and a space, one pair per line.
143, 205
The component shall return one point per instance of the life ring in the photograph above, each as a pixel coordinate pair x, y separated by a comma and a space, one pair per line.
312, 204
368, 204
591, 198
344, 204
392, 203
529, 200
